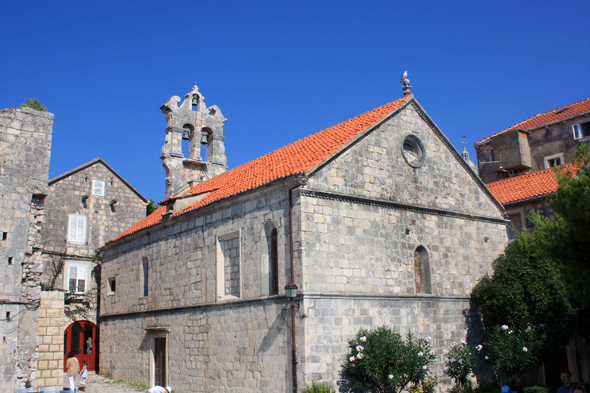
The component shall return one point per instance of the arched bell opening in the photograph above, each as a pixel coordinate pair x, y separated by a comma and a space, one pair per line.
187, 135
82, 338
205, 143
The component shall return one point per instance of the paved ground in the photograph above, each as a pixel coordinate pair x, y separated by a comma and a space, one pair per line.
98, 384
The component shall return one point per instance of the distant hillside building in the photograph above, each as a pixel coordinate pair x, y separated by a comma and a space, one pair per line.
25, 149
377, 220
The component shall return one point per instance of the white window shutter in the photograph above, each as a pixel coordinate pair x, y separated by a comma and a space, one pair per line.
98, 187
81, 286
73, 228
81, 232
577, 131
72, 282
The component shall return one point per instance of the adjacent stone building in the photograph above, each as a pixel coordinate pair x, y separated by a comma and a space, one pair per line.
517, 166
85, 207
377, 220
25, 149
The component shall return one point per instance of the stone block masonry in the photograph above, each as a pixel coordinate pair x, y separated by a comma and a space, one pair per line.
25, 149
52, 324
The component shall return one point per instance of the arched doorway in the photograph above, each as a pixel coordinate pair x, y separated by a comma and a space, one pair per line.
81, 337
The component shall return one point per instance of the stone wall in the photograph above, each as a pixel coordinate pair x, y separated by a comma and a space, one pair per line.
25, 149
52, 325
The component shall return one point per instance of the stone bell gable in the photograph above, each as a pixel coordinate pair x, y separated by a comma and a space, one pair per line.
202, 129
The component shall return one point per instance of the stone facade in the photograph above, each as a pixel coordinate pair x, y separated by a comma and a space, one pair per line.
25, 149
358, 221
531, 148
52, 323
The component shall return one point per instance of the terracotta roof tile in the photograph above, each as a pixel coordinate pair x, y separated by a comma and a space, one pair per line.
296, 158
546, 117
522, 187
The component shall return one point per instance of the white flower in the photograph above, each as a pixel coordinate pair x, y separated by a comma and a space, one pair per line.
363, 339
463, 341
390, 376
504, 327
460, 361
446, 360
510, 332
525, 349
351, 358
359, 348
349, 350
424, 367
454, 343
432, 352
428, 339
486, 358
446, 368
479, 347
420, 353
359, 355
451, 360
445, 351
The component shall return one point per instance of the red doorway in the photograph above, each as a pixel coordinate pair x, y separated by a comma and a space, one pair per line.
81, 338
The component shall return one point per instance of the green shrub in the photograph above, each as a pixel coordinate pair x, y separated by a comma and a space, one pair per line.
459, 362
385, 362
514, 350
318, 387
536, 389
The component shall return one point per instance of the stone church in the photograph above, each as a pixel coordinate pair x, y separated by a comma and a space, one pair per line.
375, 221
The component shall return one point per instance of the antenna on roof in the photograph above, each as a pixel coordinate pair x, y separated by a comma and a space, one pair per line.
407, 88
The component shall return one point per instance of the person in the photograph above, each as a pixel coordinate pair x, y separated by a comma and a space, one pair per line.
159, 389
578, 389
566, 378
84, 375
73, 368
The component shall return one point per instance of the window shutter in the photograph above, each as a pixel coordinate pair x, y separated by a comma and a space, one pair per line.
81, 231
72, 280
577, 131
98, 187
73, 228
81, 279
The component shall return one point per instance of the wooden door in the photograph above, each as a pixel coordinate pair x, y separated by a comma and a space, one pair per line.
81, 338
160, 360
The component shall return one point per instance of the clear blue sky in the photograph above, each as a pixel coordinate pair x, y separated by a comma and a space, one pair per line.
281, 70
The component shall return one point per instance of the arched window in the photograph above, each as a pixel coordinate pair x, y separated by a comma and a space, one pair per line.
269, 260
144, 277
422, 270
274, 264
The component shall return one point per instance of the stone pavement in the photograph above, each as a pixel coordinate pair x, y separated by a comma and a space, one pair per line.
99, 384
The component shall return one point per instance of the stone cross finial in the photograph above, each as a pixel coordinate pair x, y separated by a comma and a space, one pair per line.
407, 88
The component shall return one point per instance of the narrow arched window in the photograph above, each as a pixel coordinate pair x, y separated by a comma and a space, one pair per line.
422, 270
144, 277
274, 264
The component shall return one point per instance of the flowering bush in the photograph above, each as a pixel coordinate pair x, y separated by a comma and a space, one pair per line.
318, 387
459, 361
385, 362
514, 350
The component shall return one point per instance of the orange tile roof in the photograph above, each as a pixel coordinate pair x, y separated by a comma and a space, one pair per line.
527, 186
296, 158
546, 117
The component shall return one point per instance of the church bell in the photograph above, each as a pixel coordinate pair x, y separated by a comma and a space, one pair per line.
186, 135
204, 140
195, 100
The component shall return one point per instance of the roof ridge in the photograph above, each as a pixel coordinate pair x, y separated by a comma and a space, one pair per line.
293, 159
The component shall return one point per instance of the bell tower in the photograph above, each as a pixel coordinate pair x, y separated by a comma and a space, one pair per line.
202, 128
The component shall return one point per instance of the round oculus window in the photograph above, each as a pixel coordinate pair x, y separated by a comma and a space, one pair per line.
413, 151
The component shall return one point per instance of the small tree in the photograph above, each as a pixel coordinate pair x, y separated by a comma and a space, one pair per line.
459, 362
34, 104
385, 362
151, 207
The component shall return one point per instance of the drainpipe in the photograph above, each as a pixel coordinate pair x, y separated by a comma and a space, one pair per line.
292, 286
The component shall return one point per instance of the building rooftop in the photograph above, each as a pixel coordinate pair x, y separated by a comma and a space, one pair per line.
294, 159
550, 116
523, 187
